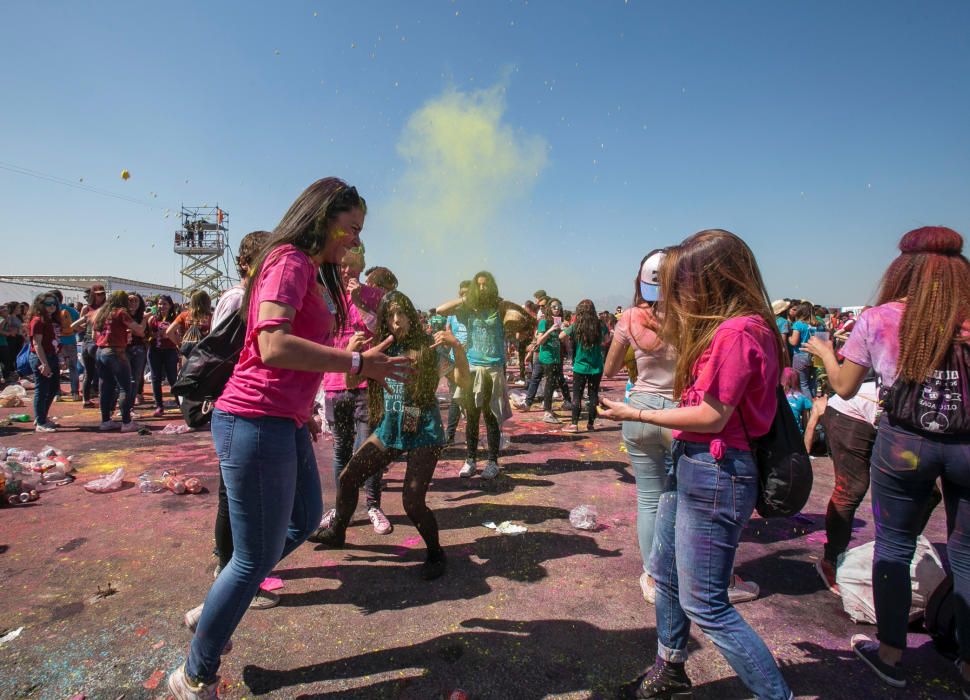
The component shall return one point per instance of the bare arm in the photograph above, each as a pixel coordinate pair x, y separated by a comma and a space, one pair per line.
710, 416
615, 358
812, 419
795, 339
449, 307
845, 378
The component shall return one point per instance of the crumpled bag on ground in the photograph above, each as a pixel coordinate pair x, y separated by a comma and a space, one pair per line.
106, 484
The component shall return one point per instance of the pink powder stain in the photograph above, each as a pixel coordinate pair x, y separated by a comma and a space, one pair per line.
817, 537
412, 541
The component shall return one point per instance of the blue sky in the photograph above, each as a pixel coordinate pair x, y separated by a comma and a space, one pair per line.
818, 131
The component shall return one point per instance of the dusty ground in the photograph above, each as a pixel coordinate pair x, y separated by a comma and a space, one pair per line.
555, 612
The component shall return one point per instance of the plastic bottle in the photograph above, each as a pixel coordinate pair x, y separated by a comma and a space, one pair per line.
20, 418
146, 484
583, 517
193, 485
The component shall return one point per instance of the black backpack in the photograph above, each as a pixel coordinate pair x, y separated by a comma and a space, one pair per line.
784, 468
940, 404
208, 367
940, 619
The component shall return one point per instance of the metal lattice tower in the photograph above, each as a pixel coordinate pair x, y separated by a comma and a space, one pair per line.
203, 244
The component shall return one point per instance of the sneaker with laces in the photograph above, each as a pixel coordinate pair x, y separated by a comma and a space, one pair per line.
45, 428
826, 570
130, 427
191, 621
109, 425
550, 417
184, 688
868, 651
571, 428
468, 469
264, 600
663, 681
491, 470
328, 518
741, 591
648, 588
382, 526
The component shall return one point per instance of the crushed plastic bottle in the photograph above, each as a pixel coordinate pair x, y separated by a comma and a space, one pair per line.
583, 517
147, 484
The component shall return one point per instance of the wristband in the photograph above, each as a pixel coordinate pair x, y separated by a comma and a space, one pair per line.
640, 415
356, 363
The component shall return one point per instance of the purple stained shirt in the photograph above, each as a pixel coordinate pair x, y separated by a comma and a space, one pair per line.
874, 341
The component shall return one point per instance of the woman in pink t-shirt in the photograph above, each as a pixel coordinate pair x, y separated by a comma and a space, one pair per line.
916, 339
261, 424
715, 313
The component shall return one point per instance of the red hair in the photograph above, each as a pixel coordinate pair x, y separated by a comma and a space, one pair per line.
933, 278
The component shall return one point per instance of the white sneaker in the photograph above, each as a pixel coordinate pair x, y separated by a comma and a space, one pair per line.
382, 526
109, 425
328, 518
130, 427
45, 428
741, 591
191, 621
264, 600
520, 382
648, 588
491, 470
183, 689
468, 469
550, 417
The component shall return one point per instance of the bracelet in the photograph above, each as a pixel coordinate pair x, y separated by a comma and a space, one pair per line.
356, 363
640, 415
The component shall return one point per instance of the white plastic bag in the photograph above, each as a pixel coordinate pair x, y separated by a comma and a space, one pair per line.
854, 577
106, 484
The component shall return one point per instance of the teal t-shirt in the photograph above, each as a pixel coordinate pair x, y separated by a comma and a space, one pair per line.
805, 332
73, 313
486, 337
391, 432
550, 351
588, 360
799, 403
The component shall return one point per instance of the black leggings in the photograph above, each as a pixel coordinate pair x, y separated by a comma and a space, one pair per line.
581, 382
371, 459
88, 357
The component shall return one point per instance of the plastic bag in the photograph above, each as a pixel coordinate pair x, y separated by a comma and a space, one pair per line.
176, 429
854, 577
14, 390
506, 528
583, 517
106, 484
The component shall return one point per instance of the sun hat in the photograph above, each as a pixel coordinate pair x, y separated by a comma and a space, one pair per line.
780, 306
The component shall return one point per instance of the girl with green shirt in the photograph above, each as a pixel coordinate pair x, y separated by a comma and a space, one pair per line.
406, 420
589, 334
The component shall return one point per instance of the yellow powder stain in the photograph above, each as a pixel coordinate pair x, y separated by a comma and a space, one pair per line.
910, 458
104, 462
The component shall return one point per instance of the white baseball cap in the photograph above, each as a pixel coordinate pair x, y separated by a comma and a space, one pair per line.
649, 277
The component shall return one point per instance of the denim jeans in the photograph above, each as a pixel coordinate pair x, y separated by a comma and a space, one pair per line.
551, 372
802, 363
45, 388
905, 467
651, 463
115, 374
69, 352
137, 357
705, 506
89, 358
273, 488
164, 363
348, 418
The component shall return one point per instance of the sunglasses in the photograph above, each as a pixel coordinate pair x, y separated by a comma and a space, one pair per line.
50, 303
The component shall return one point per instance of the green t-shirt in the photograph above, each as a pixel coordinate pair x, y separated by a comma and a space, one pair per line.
588, 360
549, 351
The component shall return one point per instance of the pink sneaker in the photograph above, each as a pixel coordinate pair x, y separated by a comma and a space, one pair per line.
382, 526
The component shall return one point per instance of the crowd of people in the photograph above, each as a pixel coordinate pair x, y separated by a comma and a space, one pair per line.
882, 391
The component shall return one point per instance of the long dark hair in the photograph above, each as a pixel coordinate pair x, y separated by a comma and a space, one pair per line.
37, 307
480, 300
172, 311
305, 227
933, 276
117, 300
587, 324
421, 390
139, 314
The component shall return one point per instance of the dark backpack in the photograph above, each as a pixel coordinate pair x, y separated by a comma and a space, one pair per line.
208, 367
940, 619
784, 468
940, 404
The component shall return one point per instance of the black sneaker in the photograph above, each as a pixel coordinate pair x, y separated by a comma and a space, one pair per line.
329, 537
663, 681
434, 567
868, 651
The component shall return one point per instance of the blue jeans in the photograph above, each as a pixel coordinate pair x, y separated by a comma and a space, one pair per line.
165, 365
69, 351
704, 508
273, 488
802, 363
904, 470
115, 375
651, 464
347, 414
45, 388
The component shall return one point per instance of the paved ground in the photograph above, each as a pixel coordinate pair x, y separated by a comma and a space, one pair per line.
555, 612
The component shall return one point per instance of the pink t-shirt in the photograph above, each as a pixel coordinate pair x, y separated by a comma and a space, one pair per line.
336, 381
874, 341
255, 390
655, 360
740, 369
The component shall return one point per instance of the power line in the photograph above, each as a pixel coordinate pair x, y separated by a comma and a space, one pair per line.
20, 170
